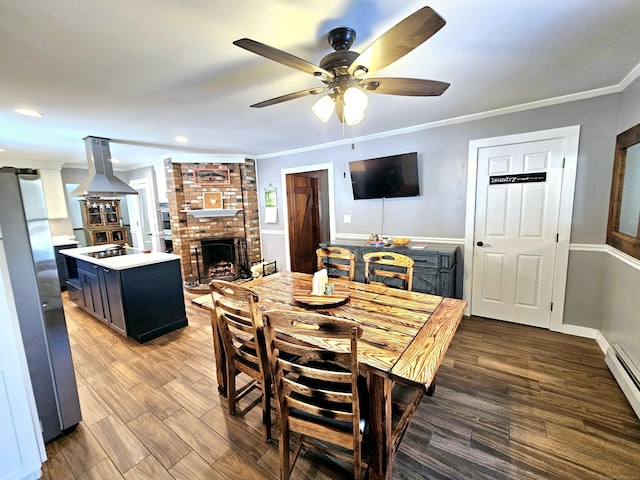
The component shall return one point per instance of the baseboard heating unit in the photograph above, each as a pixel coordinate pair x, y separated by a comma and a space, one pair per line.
626, 373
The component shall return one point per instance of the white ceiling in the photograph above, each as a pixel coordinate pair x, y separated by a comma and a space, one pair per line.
143, 71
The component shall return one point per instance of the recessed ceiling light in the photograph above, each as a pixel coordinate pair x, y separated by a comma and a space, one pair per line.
181, 139
1, 150
114, 160
27, 112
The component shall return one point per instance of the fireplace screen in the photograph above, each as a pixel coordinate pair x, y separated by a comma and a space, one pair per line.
222, 259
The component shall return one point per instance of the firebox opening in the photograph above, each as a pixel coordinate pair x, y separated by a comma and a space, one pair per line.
222, 259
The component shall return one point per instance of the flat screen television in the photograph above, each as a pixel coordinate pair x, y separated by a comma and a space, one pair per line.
385, 177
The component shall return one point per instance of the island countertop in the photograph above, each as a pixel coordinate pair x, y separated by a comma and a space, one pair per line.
120, 262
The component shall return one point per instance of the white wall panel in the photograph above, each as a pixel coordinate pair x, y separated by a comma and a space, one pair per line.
499, 165
532, 210
496, 220
536, 162
527, 286
493, 277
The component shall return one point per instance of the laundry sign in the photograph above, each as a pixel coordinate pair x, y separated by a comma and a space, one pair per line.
518, 178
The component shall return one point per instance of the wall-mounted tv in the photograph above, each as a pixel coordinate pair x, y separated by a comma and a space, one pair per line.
385, 177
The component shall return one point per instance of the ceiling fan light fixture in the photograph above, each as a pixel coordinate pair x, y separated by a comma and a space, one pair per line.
323, 108
356, 99
352, 116
360, 72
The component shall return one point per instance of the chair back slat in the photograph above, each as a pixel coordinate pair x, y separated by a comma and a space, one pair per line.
336, 260
391, 265
318, 411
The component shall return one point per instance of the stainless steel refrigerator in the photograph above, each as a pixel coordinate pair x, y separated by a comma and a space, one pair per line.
36, 288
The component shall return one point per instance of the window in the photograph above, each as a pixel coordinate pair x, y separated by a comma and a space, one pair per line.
623, 231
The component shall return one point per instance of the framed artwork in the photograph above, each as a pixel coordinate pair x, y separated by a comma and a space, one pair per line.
270, 197
211, 176
212, 200
270, 204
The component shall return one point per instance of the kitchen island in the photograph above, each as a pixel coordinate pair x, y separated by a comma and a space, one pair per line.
137, 294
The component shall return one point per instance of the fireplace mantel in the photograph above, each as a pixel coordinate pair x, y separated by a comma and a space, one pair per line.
212, 212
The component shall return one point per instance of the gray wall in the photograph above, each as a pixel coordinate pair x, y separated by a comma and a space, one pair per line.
621, 280
585, 281
440, 211
443, 156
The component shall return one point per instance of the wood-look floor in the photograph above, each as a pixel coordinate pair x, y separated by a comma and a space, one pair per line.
512, 402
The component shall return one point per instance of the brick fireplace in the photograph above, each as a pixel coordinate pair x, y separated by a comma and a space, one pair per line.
192, 229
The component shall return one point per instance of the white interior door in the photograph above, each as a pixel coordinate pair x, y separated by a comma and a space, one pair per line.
516, 230
142, 215
134, 222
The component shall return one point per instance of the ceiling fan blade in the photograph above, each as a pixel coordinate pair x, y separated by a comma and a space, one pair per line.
398, 40
290, 96
414, 87
282, 57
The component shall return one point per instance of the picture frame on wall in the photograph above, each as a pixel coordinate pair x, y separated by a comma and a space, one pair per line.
270, 197
212, 200
211, 176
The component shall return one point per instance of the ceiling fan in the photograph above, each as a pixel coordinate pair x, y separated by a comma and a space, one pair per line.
345, 73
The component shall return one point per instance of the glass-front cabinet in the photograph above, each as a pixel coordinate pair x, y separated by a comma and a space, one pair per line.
102, 222
94, 216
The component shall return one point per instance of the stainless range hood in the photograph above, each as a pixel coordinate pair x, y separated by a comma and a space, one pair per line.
101, 181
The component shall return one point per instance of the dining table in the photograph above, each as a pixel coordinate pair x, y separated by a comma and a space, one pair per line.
405, 338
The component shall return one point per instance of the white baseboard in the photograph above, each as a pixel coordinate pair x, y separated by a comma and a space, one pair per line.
629, 388
578, 331
625, 382
602, 342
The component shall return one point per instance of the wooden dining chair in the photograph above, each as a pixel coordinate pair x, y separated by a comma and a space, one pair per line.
336, 260
316, 385
241, 331
380, 265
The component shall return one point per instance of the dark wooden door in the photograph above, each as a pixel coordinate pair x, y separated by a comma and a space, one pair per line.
304, 221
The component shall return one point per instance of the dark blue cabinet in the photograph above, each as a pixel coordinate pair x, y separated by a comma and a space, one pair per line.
112, 295
90, 286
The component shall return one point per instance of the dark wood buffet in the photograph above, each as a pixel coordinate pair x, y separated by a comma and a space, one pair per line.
435, 268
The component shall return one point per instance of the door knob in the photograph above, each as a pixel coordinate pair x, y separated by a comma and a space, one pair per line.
480, 243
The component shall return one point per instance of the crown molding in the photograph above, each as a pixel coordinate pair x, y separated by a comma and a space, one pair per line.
597, 92
205, 158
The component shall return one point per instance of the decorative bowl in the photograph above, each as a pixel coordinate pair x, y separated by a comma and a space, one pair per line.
401, 241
